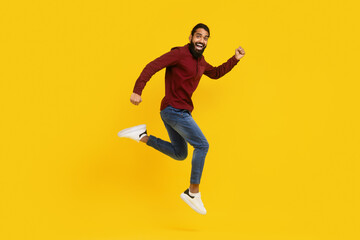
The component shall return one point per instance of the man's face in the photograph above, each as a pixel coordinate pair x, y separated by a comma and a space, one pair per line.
199, 40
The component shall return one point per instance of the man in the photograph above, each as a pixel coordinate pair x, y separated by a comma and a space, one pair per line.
184, 68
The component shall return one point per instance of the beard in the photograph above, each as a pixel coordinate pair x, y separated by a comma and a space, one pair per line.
196, 53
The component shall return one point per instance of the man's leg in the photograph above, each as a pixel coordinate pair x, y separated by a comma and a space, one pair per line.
176, 149
181, 128
191, 132
182, 122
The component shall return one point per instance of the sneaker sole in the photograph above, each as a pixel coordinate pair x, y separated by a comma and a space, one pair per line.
184, 197
129, 130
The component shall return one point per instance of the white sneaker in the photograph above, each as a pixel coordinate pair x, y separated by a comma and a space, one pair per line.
136, 133
194, 201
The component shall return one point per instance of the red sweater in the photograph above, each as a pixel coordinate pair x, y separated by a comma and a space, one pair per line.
183, 73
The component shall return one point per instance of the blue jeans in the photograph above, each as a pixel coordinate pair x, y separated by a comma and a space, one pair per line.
182, 129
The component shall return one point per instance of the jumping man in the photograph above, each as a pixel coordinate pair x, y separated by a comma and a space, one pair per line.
184, 67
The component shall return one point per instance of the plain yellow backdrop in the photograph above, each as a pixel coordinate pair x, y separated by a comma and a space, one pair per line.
283, 125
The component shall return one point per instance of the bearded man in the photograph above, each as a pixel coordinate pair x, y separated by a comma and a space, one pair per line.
184, 67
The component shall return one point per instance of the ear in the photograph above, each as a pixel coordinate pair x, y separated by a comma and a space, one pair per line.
190, 37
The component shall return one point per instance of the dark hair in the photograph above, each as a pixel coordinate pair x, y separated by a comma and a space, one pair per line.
200, 25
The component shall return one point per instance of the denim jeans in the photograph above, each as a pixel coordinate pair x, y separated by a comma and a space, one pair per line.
182, 128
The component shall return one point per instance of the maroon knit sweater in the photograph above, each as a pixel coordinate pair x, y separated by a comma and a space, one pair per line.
183, 73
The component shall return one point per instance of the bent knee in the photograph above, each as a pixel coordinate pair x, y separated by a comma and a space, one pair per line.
181, 156
206, 146
203, 146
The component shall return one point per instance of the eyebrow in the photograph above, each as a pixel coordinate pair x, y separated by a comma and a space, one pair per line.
201, 34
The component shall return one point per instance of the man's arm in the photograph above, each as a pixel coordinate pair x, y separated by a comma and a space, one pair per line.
168, 59
218, 72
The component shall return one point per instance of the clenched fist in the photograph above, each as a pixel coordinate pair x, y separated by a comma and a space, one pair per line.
135, 99
239, 53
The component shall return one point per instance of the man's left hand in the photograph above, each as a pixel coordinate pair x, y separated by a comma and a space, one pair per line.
239, 53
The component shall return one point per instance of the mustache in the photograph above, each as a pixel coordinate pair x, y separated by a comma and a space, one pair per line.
193, 44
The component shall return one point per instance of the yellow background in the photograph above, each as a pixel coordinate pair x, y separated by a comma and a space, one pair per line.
283, 125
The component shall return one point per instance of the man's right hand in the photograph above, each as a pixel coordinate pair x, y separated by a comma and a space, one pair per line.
135, 99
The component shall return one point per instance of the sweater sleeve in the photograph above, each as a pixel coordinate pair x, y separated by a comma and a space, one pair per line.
168, 59
218, 72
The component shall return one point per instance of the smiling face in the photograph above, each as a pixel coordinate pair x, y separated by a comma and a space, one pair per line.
198, 42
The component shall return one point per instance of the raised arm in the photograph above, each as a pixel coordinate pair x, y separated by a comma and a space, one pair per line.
218, 72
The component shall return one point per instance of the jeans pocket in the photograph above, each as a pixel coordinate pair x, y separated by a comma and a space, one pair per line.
164, 113
171, 115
